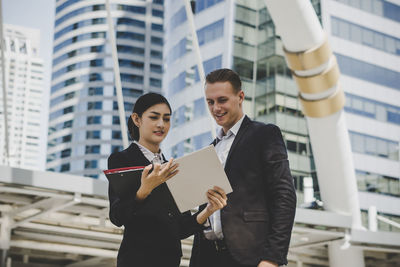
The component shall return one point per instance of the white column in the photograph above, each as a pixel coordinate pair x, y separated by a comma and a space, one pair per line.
5, 238
117, 77
372, 219
300, 30
304, 41
308, 188
199, 60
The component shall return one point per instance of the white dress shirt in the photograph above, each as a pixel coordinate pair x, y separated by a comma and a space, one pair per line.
224, 143
150, 156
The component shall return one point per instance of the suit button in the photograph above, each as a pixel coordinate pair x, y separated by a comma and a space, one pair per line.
170, 215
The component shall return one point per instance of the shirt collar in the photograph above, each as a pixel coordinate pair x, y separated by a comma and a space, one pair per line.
234, 130
147, 153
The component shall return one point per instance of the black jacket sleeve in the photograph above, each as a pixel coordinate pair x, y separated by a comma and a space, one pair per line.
121, 210
281, 194
188, 224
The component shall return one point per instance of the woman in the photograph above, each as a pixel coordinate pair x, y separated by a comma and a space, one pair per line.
153, 224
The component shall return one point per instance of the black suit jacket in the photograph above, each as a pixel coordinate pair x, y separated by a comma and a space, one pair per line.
258, 219
154, 227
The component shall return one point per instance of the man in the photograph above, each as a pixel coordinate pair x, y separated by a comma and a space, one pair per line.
254, 228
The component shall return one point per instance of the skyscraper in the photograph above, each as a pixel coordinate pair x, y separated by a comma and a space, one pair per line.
84, 124
25, 92
241, 35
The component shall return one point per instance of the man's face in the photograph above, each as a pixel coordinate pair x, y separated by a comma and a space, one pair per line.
224, 104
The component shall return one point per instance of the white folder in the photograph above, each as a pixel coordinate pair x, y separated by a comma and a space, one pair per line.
198, 172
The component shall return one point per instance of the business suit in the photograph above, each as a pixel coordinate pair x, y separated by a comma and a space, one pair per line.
258, 218
153, 227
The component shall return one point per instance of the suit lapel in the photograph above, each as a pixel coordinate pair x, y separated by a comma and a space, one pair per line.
136, 156
240, 134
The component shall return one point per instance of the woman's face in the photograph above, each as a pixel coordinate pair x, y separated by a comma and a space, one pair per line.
154, 124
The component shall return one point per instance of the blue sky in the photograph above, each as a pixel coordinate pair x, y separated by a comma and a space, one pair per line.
37, 14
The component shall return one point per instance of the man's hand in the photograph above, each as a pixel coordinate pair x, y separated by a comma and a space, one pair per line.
267, 264
216, 199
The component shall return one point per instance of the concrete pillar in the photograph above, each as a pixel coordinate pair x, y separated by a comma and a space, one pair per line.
4, 254
5, 238
308, 190
350, 256
372, 219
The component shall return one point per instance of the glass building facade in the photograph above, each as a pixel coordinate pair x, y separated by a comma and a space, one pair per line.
241, 35
84, 126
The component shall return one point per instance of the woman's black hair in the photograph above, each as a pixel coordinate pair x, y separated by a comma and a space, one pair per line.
143, 103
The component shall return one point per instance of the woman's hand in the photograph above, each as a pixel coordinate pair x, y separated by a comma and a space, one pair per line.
159, 175
216, 200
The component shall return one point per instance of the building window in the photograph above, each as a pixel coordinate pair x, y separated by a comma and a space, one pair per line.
365, 36
210, 65
115, 120
156, 54
95, 91
157, 13
372, 109
155, 82
95, 149
67, 138
201, 140
204, 4
377, 183
131, 36
130, 64
199, 109
131, 22
65, 167
131, 78
93, 120
93, 135
116, 149
211, 32
157, 27
66, 153
381, 8
127, 105
67, 124
130, 50
368, 72
178, 83
178, 18
90, 164
177, 51
375, 146
133, 9
156, 68
95, 105
116, 135
130, 92
156, 40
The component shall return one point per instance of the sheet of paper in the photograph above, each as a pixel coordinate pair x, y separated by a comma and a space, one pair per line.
198, 172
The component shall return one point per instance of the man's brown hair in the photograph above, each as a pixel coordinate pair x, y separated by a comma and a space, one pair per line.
225, 75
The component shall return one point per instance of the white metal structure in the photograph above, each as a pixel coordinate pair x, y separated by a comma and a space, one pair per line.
55, 219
